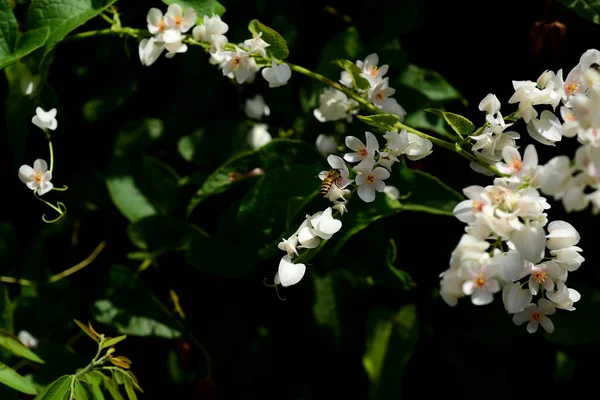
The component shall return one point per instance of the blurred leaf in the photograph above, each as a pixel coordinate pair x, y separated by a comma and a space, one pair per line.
29, 42
58, 390
159, 233
17, 348
430, 83
391, 340
565, 366
325, 307
277, 153
131, 309
202, 7
141, 188
425, 121
82, 390
287, 30
8, 30
588, 9
261, 219
129, 388
60, 18
381, 121
121, 361
112, 341
10, 377
346, 45
94, 378
460, 124
112, 387
357, 80
277, 45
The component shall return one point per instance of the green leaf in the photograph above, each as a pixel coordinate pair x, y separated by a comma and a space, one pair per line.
425, 121
588, 9
159, 233
359, 81
113, 388
87, 331
202, 7
277, 153
381, 121
8, 29
430, 83
346, 45
391, 340
141, 188
29, 42
113, 341
59, 389
131, 308
11, 378
60, 17
17, 348
277, 45
82, 390
94, 378
260, 220
460, 124
129, 388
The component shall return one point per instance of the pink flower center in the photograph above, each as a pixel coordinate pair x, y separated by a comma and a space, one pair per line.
572, 87
517, 165
536, 316
477, 206
373, 71
363, 151
371, 178
541, 277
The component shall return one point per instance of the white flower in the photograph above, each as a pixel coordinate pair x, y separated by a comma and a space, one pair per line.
37, 178
480, 284
307, 235
490, 104
536, 315
258, 136
418, 147
515, 298
277, 75
156, 22
370, 70
530, 241
326, 144
27, 339
176, 19
150, 50
555, 175
526, 93
515, 166
547, 129
391, 106
289, 245
451, 287
174, 48
256, 107
380, 92
561, 235
45, 120
568, 257
564, 297
387, 159
289, 273
369, 180
325, 225
544, 274
362, 152
467, 210
335, 105
336, 162
397, 142
239, 64
469, 247
340, 207
211, 28
257, 45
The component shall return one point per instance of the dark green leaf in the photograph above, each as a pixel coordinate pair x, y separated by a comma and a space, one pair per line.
277, 45
381, 121
202, 7
129, 388
277, 153
588, 9
8, 30
95, 379
391, 340
158, 233
132, 309
113, 388
10, 377
82, 390
428, 122
29, 42
59, 389
430, 83
61, 17
359, 81
460, 124
18, 349
346, 45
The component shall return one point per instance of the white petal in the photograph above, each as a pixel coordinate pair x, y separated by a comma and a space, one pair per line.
40, 165
532, 326
381, 173
26, 173
530, 242
366, 192
45, 187
464, 211
547, 324
354, 143
290, 273
372, 143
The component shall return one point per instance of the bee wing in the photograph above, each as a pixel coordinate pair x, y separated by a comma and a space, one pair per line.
322, 175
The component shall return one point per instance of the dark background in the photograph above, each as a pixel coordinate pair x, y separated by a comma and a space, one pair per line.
261, 347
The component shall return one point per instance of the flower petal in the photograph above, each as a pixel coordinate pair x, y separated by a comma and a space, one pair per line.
366, 192
26, 173
354, 143
40, 165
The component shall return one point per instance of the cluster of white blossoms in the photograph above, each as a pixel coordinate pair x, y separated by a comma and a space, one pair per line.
504, 247
238, 63
38, 177
575, 182
335, 105
259, 135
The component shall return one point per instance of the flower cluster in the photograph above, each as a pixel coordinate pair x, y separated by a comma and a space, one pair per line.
168, 31
256, 108
335, 105
236, 61
505, 244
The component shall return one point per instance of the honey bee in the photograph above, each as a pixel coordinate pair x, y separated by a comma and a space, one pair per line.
331, 178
